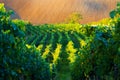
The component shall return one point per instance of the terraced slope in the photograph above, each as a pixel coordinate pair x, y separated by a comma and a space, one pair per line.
55, 11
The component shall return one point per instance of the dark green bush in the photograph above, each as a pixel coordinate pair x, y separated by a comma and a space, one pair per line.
100, 58
17, 62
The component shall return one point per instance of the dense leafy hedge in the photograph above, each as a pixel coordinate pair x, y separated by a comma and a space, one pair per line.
17, 62
99, 59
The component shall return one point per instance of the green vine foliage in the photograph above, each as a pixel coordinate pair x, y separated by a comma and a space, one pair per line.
17, 62
115, 12
84, 52
100, 58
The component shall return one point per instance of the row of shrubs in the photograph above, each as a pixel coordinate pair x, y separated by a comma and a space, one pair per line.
99, 59
17, 62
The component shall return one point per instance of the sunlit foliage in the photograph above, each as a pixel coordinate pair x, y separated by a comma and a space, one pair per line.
60, 51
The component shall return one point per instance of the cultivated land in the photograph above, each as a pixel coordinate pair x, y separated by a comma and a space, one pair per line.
56, 11
65, 51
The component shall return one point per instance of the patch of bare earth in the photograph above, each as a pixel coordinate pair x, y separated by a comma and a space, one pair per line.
55, 11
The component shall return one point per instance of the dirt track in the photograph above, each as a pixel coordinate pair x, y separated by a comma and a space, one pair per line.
55, 11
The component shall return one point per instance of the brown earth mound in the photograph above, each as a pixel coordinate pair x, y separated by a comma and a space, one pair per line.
55, 11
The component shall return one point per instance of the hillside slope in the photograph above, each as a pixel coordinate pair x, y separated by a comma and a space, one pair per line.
53, 11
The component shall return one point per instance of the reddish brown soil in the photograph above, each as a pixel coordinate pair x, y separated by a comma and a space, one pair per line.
55, 11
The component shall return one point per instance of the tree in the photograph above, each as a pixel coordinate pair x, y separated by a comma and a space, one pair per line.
75, 17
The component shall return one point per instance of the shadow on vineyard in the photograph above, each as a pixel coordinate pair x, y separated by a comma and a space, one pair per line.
59, 51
